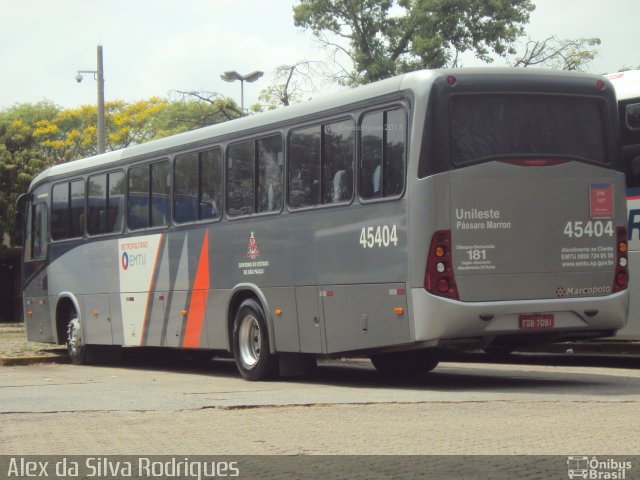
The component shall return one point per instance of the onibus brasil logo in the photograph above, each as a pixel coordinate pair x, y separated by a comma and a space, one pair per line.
592, 468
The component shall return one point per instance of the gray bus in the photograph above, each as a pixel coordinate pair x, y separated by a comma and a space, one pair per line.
471, 208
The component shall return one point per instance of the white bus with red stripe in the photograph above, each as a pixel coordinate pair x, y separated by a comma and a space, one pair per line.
627, 86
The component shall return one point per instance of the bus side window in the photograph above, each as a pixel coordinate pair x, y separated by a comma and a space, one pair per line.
304, 167
67, 210
197, 186
337, 162
97, 201
138, 197
270, 161
115, 202
160, 193
185, 188
76, 208
60, 211
36, 244
240, 178
382, 154
210, 184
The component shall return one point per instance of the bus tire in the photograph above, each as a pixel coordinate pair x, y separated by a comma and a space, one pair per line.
76, 348
406, 363
251, 343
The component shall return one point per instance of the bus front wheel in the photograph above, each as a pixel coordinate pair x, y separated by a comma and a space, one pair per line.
76, 347
251, 343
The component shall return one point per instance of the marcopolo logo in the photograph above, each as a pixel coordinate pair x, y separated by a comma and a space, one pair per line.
596, 469
576, 292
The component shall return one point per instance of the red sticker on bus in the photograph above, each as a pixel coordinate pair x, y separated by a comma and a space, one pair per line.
601, 200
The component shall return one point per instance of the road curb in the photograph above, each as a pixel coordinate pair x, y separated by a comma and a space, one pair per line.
32, 360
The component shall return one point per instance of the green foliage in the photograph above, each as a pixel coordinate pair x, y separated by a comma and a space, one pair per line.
552, 52
626, 68
191, 110
387, 37
36, 136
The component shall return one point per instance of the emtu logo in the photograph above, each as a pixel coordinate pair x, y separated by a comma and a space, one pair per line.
125, 260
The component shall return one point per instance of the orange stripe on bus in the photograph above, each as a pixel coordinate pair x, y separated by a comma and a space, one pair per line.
198, 302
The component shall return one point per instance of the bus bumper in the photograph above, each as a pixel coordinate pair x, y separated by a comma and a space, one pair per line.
442, 319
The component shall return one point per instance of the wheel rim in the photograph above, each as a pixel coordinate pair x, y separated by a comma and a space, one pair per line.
250, 340
74, 340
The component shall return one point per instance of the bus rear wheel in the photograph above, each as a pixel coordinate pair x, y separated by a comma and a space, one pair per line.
251, 343
78, 351
406, 363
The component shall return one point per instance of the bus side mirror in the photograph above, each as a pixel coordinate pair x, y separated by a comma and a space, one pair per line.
19, 219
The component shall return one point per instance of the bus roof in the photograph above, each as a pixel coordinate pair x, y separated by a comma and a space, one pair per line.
627, 84
201, 136
245, 124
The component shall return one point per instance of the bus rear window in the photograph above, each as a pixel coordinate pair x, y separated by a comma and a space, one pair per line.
509, 125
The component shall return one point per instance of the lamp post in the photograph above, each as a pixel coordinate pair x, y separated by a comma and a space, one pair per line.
98, 75
232, 76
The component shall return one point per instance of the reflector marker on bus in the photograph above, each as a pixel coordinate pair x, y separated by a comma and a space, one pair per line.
326, 293
400, 292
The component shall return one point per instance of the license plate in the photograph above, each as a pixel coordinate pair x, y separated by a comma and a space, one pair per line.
537, 321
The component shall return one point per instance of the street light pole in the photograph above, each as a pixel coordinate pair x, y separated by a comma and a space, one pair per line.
100, 78
232, 76
98, 75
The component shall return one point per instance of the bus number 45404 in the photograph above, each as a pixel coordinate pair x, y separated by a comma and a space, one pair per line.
379, 236
591, 228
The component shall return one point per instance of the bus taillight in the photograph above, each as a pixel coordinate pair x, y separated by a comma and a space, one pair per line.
622, 270
439, 279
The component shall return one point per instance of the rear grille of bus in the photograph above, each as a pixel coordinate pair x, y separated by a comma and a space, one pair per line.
439, 278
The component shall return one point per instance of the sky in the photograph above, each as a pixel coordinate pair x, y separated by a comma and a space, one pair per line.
155, 47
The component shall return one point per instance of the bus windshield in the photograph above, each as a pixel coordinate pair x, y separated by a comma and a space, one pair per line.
486, 126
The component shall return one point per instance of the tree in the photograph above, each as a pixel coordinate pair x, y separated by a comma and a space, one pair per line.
36, 136
196, 109
553, 52
626, 68
290, 83
387, 37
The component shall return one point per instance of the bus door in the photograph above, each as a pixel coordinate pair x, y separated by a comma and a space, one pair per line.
37, 312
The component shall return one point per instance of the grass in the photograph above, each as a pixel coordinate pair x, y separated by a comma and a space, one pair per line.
13, 342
